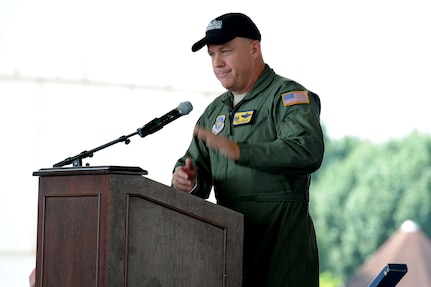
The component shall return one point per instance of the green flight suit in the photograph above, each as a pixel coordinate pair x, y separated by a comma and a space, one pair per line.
277, 127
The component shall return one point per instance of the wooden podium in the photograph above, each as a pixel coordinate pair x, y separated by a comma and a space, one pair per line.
111, 226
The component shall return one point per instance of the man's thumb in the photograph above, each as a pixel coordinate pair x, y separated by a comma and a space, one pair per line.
189, 164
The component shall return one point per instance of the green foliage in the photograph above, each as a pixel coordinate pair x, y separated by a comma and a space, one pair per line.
327, 279
364, 192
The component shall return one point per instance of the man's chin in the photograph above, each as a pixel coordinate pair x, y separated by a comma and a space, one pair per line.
225, 84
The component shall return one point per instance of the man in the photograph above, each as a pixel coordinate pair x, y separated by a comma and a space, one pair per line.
257, 145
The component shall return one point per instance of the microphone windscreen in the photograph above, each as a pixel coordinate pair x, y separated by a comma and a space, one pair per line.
185, 107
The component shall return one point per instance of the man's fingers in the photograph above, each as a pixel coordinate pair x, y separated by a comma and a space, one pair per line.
208, 137
181, 179
180, 172
184, 177
182, 184
227, 147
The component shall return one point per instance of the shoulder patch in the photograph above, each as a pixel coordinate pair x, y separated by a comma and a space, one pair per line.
219, 124
296, 97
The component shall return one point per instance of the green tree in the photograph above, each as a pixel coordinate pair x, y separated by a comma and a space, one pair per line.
364, 192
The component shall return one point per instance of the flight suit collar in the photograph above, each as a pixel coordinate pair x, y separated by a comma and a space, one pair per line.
261, 84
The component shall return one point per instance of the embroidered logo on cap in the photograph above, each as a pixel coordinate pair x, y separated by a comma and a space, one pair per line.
293, 98
242, 117
219, 124
214, 24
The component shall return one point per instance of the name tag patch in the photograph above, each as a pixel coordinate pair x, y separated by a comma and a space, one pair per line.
242, 117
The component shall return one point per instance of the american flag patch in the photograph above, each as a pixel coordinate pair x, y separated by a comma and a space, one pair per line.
293, 98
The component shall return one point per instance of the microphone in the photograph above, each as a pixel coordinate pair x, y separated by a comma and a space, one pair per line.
183, 108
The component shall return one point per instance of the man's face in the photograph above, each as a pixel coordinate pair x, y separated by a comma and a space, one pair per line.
233, 64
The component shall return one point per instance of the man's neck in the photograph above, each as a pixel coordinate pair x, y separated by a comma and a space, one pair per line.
238, 98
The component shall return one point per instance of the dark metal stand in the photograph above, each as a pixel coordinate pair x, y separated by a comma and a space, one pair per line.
147, 129
77, 159
389, 276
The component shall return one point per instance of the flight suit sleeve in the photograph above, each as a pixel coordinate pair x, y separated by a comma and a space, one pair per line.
198, 153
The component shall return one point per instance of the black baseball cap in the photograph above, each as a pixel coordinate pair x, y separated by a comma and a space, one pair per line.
227, 27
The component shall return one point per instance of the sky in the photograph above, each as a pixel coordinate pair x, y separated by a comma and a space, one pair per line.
77, 74
368, 60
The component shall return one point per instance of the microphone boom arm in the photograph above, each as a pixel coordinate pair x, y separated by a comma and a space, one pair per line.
151, 127
77, 159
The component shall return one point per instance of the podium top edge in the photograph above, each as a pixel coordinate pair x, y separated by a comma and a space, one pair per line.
90, 170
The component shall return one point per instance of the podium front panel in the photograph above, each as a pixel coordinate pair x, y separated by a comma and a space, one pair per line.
180, 246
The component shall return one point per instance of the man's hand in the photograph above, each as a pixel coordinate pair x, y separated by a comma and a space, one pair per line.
184, 177
227, 147
32, 278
